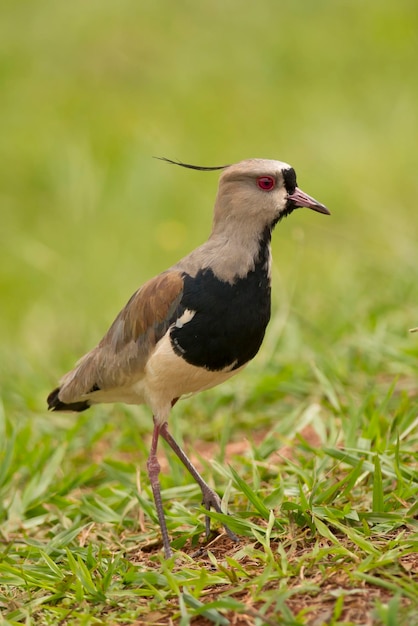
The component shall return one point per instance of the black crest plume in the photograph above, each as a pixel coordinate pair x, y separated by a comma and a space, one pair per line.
192, 167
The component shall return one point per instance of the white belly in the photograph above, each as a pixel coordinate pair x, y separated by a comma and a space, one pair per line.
168, 376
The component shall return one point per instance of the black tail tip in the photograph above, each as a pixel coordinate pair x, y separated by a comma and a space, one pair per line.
55, 404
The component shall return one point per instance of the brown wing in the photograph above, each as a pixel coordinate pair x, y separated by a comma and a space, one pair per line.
120, 357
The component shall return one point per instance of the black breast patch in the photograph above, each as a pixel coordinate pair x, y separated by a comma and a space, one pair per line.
230, 319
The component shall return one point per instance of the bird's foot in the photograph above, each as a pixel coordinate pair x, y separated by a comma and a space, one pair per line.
211, 500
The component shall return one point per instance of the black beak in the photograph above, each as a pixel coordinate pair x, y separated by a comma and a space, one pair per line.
300, 199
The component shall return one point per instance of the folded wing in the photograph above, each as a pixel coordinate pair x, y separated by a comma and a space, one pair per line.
118, 361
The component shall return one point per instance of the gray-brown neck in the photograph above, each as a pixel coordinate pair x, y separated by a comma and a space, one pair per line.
231, 253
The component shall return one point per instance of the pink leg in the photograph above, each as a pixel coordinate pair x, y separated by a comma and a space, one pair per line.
154, 468
210, 497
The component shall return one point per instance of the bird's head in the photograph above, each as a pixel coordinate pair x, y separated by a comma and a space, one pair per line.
260, 191
255, 194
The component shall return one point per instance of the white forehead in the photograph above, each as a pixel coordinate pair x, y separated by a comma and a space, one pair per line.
256, 167
267, 163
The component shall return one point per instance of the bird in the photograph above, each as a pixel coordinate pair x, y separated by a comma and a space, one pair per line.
198, 323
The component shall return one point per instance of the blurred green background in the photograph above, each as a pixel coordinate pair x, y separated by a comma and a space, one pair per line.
90, 91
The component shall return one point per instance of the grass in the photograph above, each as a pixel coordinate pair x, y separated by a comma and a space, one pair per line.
314, 447
322, 492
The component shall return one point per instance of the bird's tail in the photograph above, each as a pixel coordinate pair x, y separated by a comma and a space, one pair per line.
55, 404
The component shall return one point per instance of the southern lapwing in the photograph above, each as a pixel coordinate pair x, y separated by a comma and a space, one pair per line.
199, 322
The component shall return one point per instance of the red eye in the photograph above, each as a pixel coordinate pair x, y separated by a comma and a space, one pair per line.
266, 183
